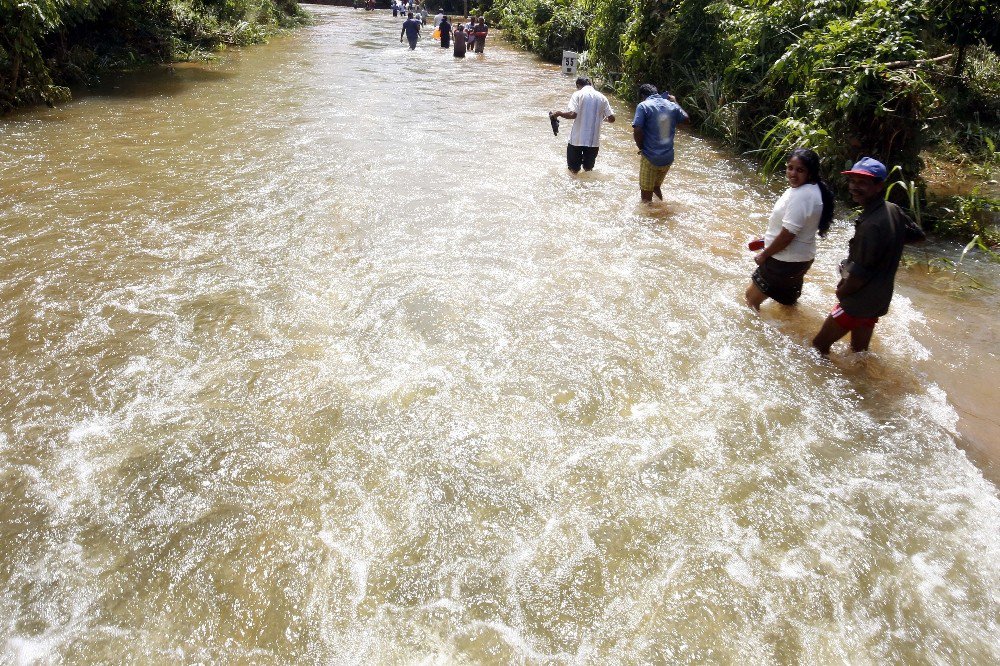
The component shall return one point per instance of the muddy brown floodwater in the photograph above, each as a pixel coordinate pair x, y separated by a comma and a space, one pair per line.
317, 354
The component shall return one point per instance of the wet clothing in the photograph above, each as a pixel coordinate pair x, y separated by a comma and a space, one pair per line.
658, 117
591, 108
480, 32
577, 156
873, 256
445, 29
798, 210
411, 27
781, 276
650, 175
849, 323
781, 280
460, 44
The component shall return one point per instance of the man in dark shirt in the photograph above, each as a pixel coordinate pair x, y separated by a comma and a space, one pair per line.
868, 273
411, 27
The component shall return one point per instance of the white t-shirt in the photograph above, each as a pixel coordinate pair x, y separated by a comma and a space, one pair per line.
798, 210
591, 109
438, 18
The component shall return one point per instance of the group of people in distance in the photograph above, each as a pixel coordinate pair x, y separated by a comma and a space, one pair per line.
468, 35
400, 7
803, 212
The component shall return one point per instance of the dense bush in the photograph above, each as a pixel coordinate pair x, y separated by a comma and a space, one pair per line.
547, 27
46, 45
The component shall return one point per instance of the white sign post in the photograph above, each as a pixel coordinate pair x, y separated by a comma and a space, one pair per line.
569, 62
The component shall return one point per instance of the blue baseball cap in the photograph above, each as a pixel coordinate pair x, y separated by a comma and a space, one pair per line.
866, 166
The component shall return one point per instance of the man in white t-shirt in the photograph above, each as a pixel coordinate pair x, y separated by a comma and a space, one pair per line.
588, 109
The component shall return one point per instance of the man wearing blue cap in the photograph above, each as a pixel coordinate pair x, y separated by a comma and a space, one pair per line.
869, 272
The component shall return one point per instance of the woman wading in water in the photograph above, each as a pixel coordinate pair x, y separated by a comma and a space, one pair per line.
460, 43
789, 246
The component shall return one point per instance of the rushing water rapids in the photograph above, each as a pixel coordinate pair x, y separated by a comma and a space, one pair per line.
317, 354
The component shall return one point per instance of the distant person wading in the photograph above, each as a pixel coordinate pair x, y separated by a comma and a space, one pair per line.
411, 28
470, 33
445, 29
460, 43
480, 32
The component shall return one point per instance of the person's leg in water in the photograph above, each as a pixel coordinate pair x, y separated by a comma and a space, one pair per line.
413, 42
574, 157
830, 332
838, 324
647, 195
754, 296
861, 337
650, 179
589, 155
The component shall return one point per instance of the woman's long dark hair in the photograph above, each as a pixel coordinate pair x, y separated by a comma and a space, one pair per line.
810, 160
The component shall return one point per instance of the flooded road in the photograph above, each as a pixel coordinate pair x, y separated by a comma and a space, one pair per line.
318, 354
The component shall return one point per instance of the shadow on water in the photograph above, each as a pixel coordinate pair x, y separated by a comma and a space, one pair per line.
594, 176
142, 83
154, 81
656, 214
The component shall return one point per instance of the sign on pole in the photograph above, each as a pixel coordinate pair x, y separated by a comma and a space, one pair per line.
569, 62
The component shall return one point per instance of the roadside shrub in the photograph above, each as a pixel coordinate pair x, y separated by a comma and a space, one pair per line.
46, 45
24, 76
856, 78
968, 215
547, 27
982, 80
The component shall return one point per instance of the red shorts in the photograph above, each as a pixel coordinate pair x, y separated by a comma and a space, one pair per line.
849, 322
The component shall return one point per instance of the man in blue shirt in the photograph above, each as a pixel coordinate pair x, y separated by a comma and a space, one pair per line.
411, 27
656, 120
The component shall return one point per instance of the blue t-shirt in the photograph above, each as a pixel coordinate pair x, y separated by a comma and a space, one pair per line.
412, 28
658, 117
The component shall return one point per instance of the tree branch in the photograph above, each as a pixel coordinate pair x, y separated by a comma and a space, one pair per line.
895, 64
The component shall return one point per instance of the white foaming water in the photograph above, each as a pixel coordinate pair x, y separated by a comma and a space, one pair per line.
317, 354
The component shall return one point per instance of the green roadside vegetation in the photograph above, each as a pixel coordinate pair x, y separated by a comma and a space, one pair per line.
915, 83
46, 46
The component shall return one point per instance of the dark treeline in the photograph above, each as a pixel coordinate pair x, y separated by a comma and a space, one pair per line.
48, 45
888, 78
